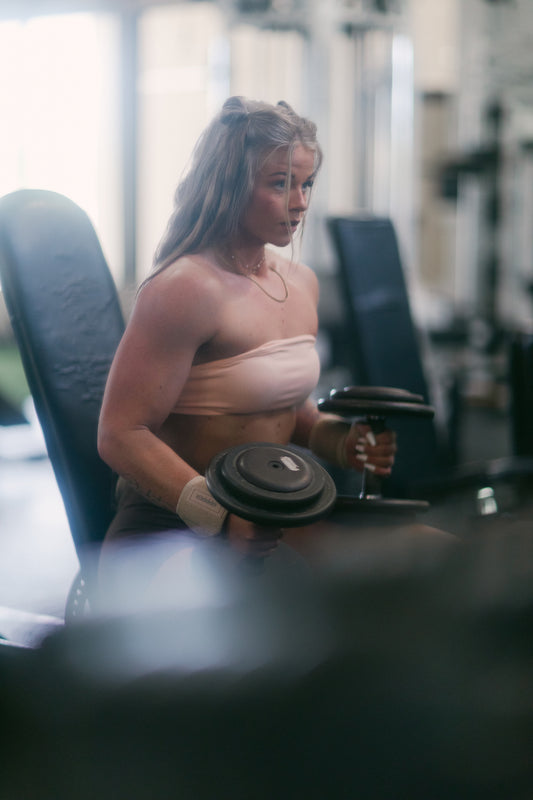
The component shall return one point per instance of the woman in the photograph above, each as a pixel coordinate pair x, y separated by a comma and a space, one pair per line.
219, 349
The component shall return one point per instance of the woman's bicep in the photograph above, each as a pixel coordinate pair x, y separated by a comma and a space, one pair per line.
144, 383
152, 364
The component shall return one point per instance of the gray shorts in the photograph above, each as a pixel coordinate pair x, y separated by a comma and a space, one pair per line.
136, 515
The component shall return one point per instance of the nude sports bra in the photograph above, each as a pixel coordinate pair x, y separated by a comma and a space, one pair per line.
276, 375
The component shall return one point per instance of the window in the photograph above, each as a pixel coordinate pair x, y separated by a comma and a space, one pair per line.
182, 81
60, 115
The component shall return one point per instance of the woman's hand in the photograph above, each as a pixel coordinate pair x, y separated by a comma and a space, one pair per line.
376, 452
251, 540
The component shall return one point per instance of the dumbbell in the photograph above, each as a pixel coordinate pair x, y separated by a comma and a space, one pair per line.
270, 484
372, 405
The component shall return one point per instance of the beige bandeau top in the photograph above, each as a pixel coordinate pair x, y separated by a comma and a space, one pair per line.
276, 375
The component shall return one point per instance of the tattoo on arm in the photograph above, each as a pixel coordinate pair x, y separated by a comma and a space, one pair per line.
147, 493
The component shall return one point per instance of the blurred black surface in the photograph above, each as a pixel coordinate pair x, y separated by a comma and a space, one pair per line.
403, 673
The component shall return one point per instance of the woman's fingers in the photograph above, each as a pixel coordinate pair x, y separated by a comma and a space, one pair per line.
372, 451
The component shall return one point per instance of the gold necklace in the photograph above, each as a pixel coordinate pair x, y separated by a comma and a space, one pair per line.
280, 276
254, 270
243, 269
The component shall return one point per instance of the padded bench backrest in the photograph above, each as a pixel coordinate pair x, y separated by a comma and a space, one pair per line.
384, 340
67, 321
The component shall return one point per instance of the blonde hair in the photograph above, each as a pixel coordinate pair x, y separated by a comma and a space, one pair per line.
211, 200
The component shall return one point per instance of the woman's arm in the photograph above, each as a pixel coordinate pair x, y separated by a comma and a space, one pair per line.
173, 316
330, 436
346, 445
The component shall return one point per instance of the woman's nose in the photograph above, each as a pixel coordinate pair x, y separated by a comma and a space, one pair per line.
299, 200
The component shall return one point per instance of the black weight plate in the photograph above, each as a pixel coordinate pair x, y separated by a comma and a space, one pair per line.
377, 408
376, 393
274, 468
269, 474
266, 506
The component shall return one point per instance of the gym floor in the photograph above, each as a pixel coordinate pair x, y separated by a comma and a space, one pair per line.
38, 562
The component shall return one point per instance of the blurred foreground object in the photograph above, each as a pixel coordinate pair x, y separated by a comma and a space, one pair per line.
383, 676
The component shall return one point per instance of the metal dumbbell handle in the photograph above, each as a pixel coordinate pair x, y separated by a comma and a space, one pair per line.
372, 404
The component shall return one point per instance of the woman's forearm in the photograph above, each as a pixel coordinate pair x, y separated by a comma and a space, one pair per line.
150, 465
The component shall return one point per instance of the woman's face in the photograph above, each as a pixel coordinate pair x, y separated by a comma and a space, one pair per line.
265, 219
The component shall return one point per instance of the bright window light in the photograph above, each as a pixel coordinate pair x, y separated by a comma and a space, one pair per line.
60, 122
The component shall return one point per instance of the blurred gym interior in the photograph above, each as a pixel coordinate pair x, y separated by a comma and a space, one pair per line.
425, 113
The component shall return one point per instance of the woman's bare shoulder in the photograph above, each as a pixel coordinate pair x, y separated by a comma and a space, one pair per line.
189, 273
184, 294
297, 272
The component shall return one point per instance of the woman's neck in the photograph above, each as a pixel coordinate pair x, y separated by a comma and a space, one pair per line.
243, 259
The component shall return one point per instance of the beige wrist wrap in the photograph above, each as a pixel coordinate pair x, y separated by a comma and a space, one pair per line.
327, 440
199, 510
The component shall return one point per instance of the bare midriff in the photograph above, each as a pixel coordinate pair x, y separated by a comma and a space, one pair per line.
198, 438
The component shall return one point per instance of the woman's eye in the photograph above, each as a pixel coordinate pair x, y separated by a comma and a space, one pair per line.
308, 185
280, 184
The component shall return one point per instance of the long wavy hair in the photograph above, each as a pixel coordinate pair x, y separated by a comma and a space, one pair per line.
210, 201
